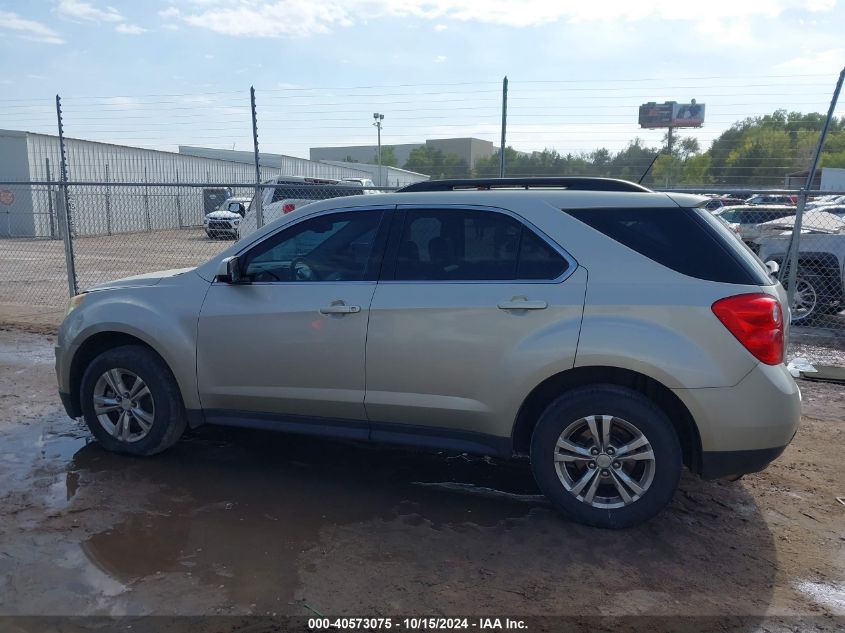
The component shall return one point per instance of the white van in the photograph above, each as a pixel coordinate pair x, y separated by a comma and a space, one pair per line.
291, 193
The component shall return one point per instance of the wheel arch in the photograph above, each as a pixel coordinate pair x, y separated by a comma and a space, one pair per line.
553, 386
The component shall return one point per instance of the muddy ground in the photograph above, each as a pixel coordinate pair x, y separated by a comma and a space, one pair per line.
244, 522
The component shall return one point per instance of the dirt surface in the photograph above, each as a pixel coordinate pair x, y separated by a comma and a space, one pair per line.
244, 522
34, 287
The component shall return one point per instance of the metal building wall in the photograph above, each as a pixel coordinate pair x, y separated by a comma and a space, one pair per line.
98, 210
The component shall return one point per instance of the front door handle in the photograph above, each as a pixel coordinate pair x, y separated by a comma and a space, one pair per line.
339, 307
522, 303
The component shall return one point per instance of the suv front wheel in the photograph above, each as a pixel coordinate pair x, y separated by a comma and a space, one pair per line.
131, 402
606, 456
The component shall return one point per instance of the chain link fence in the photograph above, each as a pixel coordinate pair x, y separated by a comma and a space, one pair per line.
123, 229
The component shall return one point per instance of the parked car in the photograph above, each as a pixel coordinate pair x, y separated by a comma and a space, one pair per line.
822, 201
746, 220
835, 209
366, 183
820, 275
224, 221
765, 198
291, 193
608, 333
717, 203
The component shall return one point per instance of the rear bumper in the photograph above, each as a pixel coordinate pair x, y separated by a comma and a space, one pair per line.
716, 464
744, 427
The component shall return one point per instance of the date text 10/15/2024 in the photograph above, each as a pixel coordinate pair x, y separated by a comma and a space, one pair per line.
417, 623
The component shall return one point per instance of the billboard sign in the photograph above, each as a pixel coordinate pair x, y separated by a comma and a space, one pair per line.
687, 114
671, 114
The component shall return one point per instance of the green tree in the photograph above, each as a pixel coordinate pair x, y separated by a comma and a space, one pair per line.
388, 156
431, 161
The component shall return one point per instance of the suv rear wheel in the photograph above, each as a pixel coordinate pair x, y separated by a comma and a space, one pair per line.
131, 402
606, 456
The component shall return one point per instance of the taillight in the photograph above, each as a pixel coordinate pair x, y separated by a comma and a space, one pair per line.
756, 320
287, 208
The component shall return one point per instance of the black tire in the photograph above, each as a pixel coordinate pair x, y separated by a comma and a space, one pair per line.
640, 413
169, 419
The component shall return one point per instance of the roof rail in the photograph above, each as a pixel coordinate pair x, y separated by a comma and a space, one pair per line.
573, 183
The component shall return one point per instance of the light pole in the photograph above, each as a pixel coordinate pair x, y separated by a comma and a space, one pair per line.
378, 119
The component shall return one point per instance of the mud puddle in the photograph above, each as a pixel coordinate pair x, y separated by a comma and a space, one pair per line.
233, 510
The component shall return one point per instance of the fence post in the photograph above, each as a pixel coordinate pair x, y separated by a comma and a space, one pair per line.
259, 209
108, 202
64, 204
50, 209
178, 201
504, 127
147, 203
795, 240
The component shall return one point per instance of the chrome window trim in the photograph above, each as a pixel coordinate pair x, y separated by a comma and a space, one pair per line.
570, 270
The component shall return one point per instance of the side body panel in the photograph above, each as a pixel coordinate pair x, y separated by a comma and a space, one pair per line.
444, 355
266, 347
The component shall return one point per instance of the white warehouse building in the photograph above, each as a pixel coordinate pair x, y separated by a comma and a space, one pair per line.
30, 210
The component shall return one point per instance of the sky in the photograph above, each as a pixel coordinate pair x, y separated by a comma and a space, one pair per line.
170, 72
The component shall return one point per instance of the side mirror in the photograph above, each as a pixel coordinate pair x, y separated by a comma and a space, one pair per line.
229, 271
773, 267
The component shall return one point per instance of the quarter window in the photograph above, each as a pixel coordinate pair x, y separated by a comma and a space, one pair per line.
335, 247
465, 245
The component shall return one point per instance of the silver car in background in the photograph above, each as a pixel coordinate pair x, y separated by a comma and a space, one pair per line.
610, 334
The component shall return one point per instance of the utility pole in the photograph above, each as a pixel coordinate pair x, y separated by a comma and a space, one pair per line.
669, 151
378, 119
504, 127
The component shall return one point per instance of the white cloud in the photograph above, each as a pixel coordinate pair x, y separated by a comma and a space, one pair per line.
296, 18
440, 59
28, 29
86, 11
122, 103
130, 29
815, 62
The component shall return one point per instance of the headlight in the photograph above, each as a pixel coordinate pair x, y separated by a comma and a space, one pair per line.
237, 222
74, 303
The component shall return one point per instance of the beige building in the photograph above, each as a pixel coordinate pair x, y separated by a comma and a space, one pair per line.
469, 149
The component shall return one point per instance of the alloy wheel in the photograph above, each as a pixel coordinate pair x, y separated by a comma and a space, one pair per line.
604, 461
124, 405
804, 300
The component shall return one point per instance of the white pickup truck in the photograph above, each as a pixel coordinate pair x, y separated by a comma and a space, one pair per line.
292, 192
819, 287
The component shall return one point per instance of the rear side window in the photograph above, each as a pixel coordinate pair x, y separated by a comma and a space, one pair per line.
689, 241
312, 192
469, 245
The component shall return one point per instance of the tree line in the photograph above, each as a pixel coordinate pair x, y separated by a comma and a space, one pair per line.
757, 151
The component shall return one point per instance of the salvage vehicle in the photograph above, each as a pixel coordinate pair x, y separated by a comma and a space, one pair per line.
609, 334
224, 222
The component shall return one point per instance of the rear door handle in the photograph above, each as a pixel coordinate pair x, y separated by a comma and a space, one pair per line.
339, 307
522, 304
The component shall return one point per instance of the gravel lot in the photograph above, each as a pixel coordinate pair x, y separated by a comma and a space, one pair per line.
240, 522
33, 285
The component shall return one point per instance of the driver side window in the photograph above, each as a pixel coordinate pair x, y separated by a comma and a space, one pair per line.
334, 247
